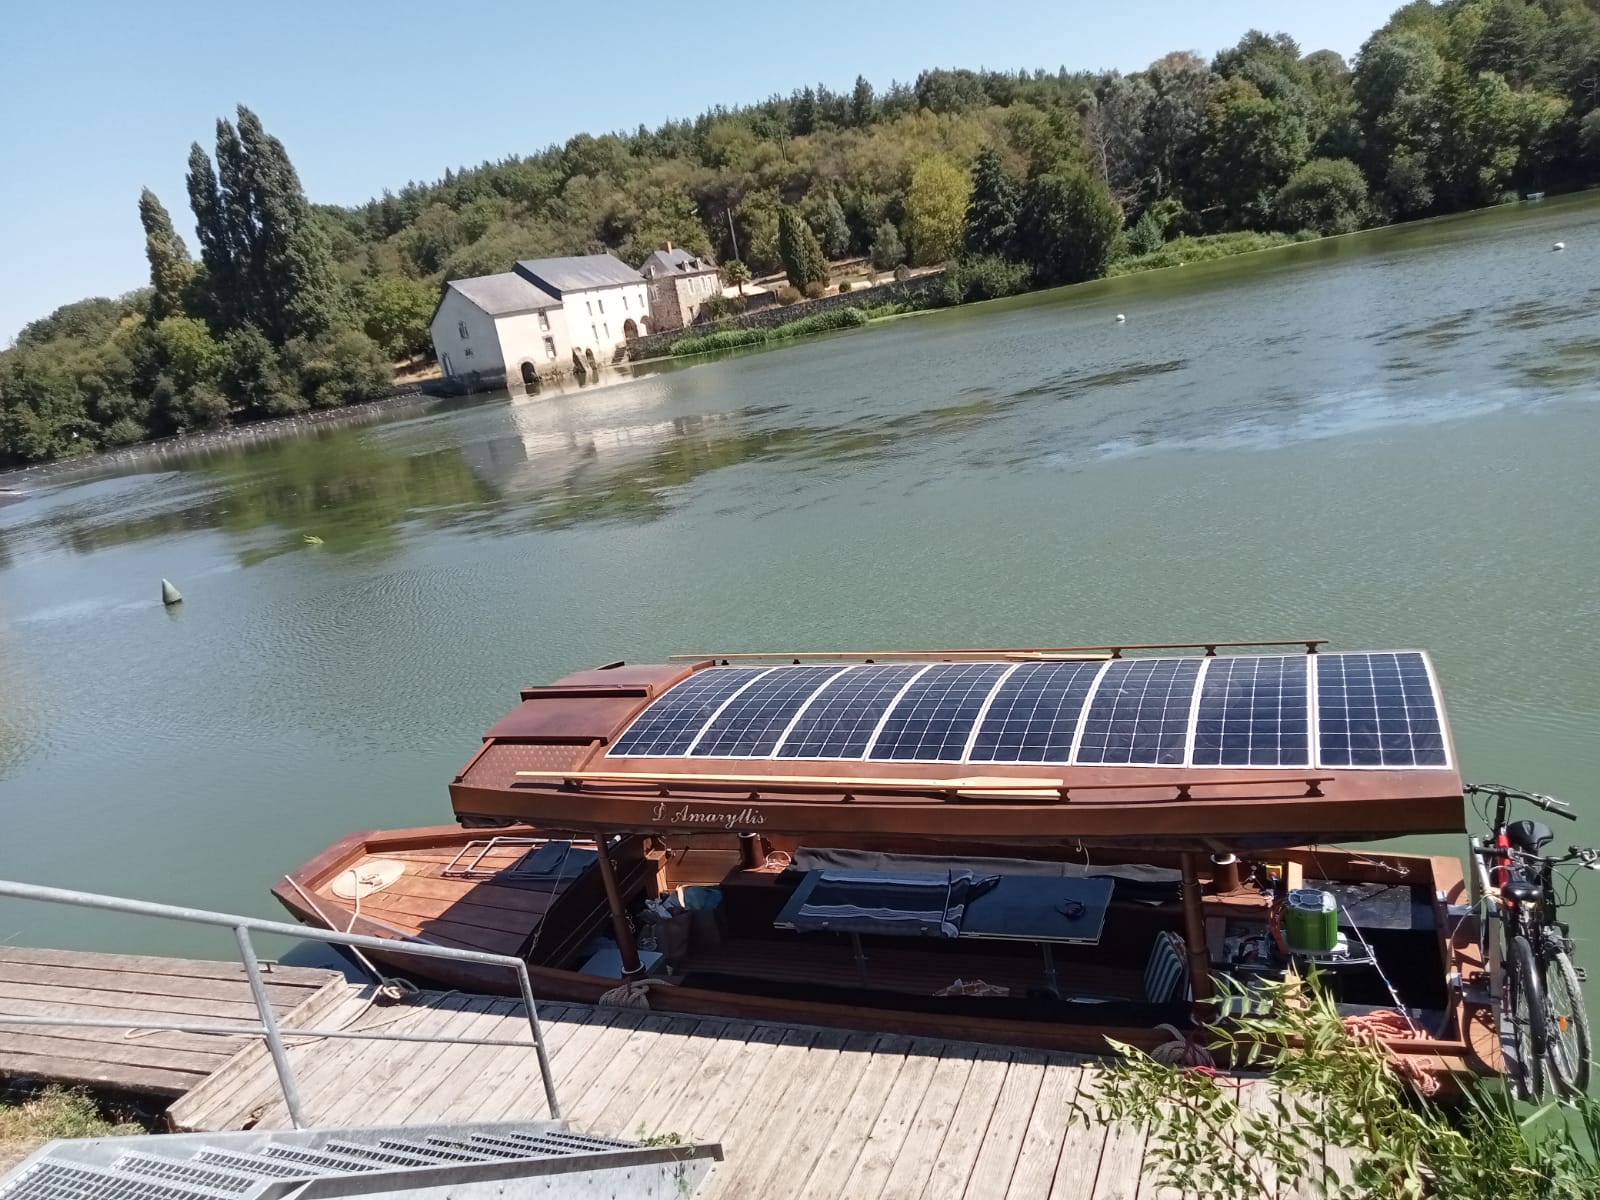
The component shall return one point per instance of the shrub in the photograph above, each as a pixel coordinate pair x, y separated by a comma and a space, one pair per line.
788, 294
844, 286
1146, 236
717, 307
1325, 194
888, 251
902, 273
982, 277
732, 339
816, 290
1068, 225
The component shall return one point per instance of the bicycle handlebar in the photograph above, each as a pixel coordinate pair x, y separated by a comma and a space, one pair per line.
1538, 799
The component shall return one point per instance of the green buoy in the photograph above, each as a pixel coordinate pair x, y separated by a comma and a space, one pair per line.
169, 594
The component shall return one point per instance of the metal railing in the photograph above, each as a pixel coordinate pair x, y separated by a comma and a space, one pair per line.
268, 1027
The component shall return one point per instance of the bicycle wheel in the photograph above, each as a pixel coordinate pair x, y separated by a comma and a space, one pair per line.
1567, 1042
1525, 1003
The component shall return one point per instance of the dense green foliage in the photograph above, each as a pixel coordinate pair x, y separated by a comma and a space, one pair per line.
803, 260
1447, 106
731, 339
1336, 1091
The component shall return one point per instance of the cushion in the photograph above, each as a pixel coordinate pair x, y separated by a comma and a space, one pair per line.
1166, 974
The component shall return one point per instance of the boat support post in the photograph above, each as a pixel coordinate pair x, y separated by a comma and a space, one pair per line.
632, 968
1194, 937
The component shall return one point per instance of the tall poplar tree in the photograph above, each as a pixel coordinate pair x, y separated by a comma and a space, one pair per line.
216, 244
170, 266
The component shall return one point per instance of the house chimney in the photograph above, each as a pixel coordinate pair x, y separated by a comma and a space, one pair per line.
667, 246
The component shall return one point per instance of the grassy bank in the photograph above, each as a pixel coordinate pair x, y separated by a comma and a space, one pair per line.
54, 1112
1182, 250
731, 339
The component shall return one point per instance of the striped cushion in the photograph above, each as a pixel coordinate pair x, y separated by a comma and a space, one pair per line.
1166, 975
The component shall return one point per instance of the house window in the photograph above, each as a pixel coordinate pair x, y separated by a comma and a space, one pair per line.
608, 330
596, 333
544, 321
467, 352
462, 327
624, 301
589, 304
601, 305
549, 347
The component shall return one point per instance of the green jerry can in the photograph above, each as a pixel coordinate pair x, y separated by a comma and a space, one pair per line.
1311, 925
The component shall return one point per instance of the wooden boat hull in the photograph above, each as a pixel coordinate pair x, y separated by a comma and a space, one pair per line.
467, 914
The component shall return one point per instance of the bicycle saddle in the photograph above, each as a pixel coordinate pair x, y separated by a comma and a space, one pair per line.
1519, 891
1531, 836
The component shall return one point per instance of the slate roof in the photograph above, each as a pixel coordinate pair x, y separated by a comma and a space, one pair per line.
504, 294
676, 261
574, 274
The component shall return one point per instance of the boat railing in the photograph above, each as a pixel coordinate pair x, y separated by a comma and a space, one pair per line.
970, 787
1107, 651
268, 1026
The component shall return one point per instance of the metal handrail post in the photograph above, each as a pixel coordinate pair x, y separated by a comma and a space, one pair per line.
269, 1027
526, 985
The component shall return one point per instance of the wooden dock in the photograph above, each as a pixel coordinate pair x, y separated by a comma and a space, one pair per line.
116, 987
800, 1112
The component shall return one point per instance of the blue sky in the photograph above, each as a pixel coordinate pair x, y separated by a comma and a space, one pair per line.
103, 97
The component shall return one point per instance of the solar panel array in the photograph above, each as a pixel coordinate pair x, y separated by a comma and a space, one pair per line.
1378, 710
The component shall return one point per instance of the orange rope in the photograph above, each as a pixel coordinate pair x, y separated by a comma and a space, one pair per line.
1383, 1026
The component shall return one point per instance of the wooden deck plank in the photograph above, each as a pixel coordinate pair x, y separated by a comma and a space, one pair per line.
1082, 1148
462, 1068
135, 1005
914, 1163
119, 1077
1121, 1163
276, 974
61, 975
735, 1125
400, 909
965, 1134
697, 1054
883, 1144
626, 1060
1000, 1146
845, 1129
710, 1119
426, 1066
1047, 1129
520, 1094
481, 893
582, 1058
128, 1052
793, 1136
487, 1072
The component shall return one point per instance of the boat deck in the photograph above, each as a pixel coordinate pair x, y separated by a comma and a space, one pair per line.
800, 1111
125, 987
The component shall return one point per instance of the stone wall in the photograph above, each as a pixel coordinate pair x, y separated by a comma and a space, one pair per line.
657, 344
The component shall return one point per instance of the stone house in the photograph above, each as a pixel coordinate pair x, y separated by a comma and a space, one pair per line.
679, 283
543, 315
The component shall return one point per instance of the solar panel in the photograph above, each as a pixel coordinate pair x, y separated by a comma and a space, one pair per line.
1034, 713
670, 724
1378, 710
1140, 712
1253, 713
934, 718
841, 718
752, 723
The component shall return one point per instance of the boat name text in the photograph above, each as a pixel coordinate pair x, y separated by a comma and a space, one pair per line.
686, 814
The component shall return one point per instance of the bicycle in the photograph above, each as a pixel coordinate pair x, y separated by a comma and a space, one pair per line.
1541, 993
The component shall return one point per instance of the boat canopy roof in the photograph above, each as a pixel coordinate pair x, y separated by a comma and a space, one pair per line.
1105, 742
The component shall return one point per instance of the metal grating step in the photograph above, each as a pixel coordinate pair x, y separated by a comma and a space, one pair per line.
380, 1157
52, 1180
522, 1149
580, 1142
318, 1158
461, 1144
438, 1154
261, 1166
197, 1175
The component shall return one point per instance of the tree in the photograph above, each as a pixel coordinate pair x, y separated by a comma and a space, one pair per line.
888, 251
862, 103
1328, 195
832, 230
991, 218
252, 378
170, 267
736, 273
1253, 144
1147, 235
1068, 226
803, 260
190, 355
936, 209
395, 312
223, 283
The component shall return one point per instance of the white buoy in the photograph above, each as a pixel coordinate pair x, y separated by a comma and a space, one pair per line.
169, 594
1121, 318
1559, 246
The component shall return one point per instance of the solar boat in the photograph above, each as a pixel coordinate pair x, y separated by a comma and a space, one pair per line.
1038, 846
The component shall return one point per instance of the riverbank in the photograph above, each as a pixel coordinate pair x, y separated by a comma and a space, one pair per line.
31, 1119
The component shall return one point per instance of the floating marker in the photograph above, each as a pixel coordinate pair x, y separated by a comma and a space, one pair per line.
1559, 246
1121, 318
169, 594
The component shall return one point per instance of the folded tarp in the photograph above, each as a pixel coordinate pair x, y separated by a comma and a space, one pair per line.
1135, 881
904, 903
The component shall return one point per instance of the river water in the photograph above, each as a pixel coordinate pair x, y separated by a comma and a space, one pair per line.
1388, 440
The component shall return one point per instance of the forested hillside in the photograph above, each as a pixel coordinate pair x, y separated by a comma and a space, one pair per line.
1029, 178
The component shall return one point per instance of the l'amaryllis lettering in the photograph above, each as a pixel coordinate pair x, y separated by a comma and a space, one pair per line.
688, 814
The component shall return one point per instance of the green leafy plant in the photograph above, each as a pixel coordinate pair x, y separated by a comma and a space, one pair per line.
1332, 1114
